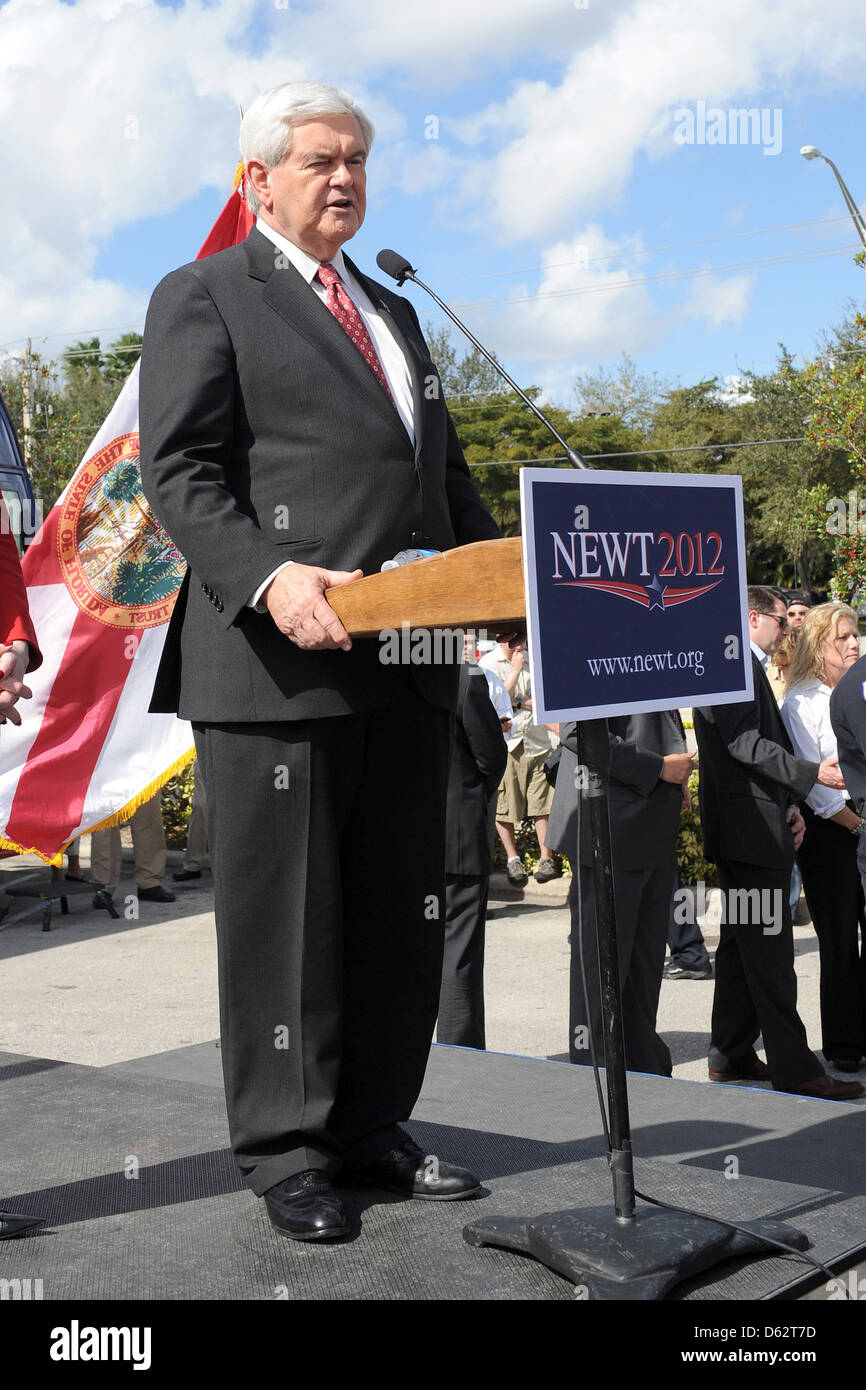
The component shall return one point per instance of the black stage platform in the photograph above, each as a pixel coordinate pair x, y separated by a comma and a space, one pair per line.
185, 1228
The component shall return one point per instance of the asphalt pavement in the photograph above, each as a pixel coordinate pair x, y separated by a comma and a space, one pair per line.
98, 991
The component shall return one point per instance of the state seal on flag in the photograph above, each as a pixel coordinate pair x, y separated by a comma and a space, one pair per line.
117, 562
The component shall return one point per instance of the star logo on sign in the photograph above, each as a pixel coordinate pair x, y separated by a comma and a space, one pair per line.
656, 592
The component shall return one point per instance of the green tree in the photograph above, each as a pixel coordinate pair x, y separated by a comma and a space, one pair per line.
494, 425
785, 482
121, 357
837, 427
702, 415
69, 400
716, 418
52, 444
83, 359
632, 395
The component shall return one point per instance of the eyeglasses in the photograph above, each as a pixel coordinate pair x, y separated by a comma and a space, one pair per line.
783, 622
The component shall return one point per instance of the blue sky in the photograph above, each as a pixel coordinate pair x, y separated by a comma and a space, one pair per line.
552, 198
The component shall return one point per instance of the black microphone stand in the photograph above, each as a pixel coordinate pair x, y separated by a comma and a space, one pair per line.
619, 1254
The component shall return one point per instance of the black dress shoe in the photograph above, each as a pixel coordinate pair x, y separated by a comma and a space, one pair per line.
306, 1207
844, 1063
826, 1088
102, 898
672, 971
156, 895
753, 1071
184, 875
407, 1170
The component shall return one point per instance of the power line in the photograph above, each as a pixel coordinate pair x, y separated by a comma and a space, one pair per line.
101, 352
69, 333
647, 251
664, 277
645, 453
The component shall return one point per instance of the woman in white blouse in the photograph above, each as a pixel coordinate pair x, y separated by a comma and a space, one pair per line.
827, 647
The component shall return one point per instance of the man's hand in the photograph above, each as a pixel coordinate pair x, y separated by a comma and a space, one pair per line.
678, 767
296, 602
797, 824
13, 664
829, 774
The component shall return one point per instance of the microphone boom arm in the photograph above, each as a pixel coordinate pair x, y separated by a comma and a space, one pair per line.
575, 459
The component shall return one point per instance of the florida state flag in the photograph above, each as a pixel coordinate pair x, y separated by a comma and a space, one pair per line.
102, 577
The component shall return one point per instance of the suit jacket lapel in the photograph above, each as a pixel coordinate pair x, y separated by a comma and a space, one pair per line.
778, 732
411, 351
287, 293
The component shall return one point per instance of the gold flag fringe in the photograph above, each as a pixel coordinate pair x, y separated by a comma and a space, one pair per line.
119, 818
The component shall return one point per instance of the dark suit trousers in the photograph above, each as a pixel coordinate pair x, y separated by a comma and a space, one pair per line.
461, 1001
685, 939
756, 987
831, 882
642, 898
328, 863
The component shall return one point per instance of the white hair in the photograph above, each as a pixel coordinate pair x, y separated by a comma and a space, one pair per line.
266, 129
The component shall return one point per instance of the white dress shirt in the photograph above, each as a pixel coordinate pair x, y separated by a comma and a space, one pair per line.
388, 350
806, 713
499, 696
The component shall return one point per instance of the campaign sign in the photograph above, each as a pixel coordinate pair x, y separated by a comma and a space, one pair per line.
636, 591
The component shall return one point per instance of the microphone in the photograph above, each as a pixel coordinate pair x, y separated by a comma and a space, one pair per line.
400, 269
395, 266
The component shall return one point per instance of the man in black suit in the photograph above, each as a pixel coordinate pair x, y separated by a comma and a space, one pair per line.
848, 717
750, 784
292, 421
478, 757
648, 768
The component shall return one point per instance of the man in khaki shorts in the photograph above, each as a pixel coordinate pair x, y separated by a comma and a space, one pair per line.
525, 790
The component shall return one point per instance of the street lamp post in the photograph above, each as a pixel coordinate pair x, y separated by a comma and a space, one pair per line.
812, 152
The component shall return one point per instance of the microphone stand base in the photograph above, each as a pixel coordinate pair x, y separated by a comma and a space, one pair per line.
643, 1258
14, 1223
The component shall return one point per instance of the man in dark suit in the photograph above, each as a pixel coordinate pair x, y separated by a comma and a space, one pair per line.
292, 421
648, 767
478, 758
750, 784
848, 717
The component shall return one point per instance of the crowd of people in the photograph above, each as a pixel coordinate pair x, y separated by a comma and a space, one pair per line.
776, 796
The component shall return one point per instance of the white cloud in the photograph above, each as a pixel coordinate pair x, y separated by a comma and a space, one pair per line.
570, 148
115, 110
109, 112
718, 302
588, 305
438, 45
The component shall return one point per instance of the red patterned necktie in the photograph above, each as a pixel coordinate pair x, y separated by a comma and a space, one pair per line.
347, 316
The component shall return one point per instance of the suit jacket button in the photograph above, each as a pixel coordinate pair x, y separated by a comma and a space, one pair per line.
219, 606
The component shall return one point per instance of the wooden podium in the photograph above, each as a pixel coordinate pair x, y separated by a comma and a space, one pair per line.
479, 585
